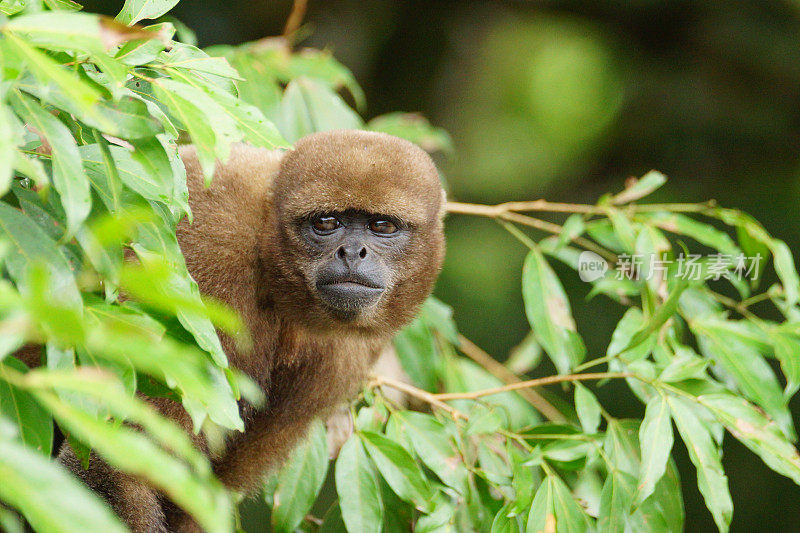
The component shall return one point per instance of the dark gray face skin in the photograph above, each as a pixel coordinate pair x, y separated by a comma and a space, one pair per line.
354, 253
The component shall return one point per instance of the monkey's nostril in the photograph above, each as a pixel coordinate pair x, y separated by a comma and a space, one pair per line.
363, 253
341, 253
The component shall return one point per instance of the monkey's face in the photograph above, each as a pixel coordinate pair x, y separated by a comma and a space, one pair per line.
358, 223
352, 255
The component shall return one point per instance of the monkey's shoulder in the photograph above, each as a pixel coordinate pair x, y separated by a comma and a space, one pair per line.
246, 177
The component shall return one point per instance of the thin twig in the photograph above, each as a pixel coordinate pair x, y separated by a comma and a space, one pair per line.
296, 17
534, 205
415, 392
559, 207
739, 307
507, 212
529, 383
505, 375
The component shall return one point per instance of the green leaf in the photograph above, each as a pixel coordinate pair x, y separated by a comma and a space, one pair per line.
71, 31
249, 119
782, 255
9, 139
143, 51
663, 312
57, 5
787, 348
440, 519
399, 469
623, 229
359, 495
435, 448
640, 188
542, 518
439, 316
549, 314
706, 457
323, 67
685, 364
751, 372
198, 492
505, 521
573, 227
47, 71
756, 431
484, 419
162, 265
34, 423
655, 438
588, 409
48, 496
300, 479
69, 178
787, 272
699, 231
415, 128
492, 465
525, 356
212, 130
260, 87
555, 509
416, 350
32, 247
145, 170
31, 168
308, 106
204, 387
461, 374
131, 118
190, 58
615, 501
135, 10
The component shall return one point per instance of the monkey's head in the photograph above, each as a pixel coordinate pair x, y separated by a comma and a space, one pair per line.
358, 232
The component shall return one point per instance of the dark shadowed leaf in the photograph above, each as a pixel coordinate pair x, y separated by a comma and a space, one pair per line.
34, 424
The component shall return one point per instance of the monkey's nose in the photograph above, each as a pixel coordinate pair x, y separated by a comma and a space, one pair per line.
350, 253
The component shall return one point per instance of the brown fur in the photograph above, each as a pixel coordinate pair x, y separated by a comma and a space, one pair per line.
241, 249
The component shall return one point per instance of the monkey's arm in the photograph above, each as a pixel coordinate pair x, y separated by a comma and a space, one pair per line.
134, 502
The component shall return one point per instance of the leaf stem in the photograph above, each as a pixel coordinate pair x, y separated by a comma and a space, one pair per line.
529, 383
378, 381
296, 16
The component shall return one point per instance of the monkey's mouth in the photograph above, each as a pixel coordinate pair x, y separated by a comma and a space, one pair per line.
349, 294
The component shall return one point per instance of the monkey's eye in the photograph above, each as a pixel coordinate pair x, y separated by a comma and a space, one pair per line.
325, 224
383, 226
